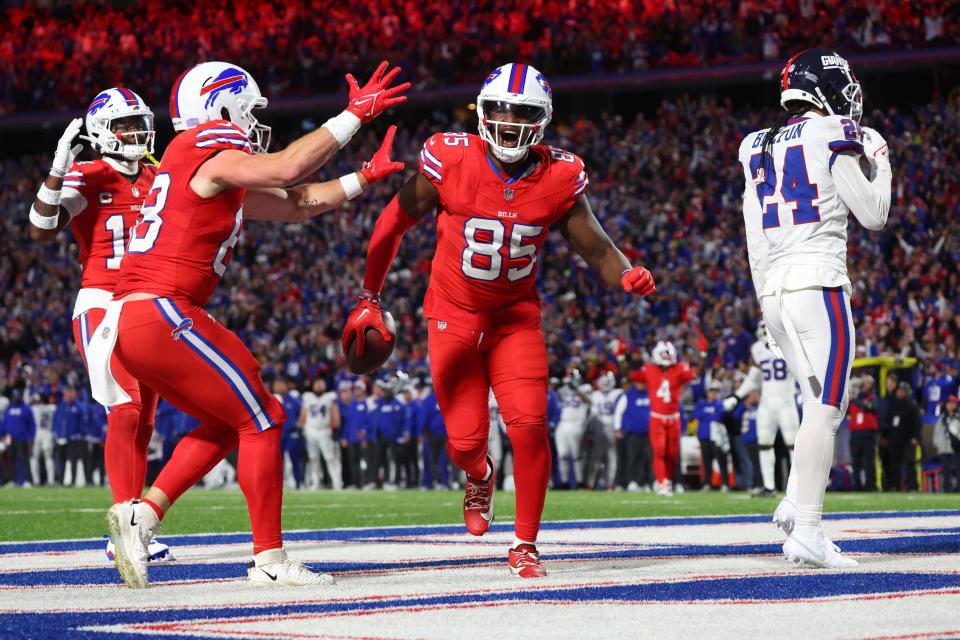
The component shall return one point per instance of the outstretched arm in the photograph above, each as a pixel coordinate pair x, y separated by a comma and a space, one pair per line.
52, 208
229, 169
305, 201
415, 200
583, 232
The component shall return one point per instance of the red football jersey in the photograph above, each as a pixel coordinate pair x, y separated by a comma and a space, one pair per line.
490, 230
664, 386
101, 230
182, 243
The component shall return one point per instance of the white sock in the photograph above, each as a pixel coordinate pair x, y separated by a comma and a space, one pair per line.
792, 484
813, 453
517, 542
767, 460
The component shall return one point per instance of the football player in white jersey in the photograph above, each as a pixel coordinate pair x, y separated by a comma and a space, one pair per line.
603, 402
320, 421
574, 410
777, 410
803, 178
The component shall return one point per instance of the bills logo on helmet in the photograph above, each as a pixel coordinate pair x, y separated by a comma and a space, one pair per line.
493, 76
98, 103
232, 80
546, 85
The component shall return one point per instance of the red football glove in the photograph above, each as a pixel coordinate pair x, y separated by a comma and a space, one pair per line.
638, 281
380, 165
375, 97
365, 315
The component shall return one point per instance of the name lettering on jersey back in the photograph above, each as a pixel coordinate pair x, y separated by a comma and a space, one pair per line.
508, 214
784, 135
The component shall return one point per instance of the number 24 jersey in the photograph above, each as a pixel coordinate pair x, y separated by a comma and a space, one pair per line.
490, 231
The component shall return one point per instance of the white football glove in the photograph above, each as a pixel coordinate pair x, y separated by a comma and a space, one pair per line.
875, 150
66, 150
729, 404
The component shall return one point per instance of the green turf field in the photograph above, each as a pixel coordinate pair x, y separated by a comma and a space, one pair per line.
51, 514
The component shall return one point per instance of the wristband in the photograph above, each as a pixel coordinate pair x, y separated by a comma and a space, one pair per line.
49, 196
351, 185
43, 222
342, 127
372, 296
626, 271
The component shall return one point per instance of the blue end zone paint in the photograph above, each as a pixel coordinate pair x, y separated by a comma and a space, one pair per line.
175, 571
762, 588
342, 535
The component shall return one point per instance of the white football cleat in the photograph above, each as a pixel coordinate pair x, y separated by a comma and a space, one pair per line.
664, 489
273, 567
132, 526
785, 517
156, 551
815, 551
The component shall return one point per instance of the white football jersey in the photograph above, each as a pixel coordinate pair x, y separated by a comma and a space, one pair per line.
776, 383
573, 410
43, 416
318, 409
604, 403
796, 221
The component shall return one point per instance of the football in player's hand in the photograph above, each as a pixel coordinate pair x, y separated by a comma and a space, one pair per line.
376, 350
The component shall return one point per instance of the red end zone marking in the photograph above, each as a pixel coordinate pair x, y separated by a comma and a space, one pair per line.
931, 634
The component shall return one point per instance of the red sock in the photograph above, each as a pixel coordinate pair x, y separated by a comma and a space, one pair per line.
473, 461
260, 474
198, 452
122, 454
531, 472
157, 510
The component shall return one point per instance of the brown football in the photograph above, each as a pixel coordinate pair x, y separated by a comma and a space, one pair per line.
376, 350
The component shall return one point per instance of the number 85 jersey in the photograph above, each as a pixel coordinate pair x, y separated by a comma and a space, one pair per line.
490, 229
796, 221
182, 242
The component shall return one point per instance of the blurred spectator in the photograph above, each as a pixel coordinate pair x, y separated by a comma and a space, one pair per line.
901, 431
18, 431
631, 422
70, 429
748, 438
43, 443
946, 439
713, 436
864, 426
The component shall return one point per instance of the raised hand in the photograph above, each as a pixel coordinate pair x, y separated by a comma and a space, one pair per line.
375, 97
66, 150
380, 165
638, 281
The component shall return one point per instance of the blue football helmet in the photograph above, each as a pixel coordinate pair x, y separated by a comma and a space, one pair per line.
824, 79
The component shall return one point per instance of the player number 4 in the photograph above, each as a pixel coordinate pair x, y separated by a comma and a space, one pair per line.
664, 391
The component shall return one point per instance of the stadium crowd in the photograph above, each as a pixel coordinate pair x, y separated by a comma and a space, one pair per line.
53, 52
666, 186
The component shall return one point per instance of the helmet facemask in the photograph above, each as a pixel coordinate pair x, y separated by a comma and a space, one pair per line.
258, 134
511, 128
127, 136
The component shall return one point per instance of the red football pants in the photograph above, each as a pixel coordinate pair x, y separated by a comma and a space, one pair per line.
665, 443
129, 425
465, 364
206, 371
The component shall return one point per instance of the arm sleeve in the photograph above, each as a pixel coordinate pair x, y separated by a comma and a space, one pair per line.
868, 201
619, 410
384, 244
757, 247
750, 383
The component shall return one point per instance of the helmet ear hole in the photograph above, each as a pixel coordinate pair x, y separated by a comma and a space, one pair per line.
224, 113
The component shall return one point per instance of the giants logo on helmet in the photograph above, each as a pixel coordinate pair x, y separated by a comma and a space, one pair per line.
232, 80
834, 62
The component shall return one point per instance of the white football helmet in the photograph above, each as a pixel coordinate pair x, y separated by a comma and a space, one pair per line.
130, 139
664, 354
219, 91
762, 331
522, 91
607, 381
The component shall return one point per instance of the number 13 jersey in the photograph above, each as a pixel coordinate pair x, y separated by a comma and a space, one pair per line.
791, 203
490, 231
182, 242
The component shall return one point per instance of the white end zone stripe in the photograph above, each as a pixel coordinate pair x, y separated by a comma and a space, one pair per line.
432, 158
225, 367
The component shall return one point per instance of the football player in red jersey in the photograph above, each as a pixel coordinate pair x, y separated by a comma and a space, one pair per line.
666, 379
212, 178
496, 196
100, 201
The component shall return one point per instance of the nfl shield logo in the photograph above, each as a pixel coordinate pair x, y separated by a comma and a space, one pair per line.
441, 325
105, 333
136, 192
508, 194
